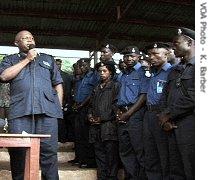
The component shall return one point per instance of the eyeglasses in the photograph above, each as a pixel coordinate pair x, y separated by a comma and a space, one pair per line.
27, 38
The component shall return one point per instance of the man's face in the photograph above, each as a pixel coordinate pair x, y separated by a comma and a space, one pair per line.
106, 54
104, 73
158, 56
180, 46
122, 66
77, 69
59, 64
84, 66
131, 59
23, 39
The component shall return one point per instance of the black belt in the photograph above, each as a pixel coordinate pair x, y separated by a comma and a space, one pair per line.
152, 107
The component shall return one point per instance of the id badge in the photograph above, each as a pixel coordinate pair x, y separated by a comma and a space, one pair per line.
160, 85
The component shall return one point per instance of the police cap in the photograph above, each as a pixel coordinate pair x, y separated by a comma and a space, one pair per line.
156, 45
82, 60
186, 32
130, 50
110, 47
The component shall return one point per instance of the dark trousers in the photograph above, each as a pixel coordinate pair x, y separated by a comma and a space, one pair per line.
66, 128
182, 149
83, 149
48, 146
156, 148
107, 159
131, 147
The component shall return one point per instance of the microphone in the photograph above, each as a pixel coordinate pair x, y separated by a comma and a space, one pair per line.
31, 46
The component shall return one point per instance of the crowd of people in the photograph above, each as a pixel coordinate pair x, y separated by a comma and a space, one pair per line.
141, 119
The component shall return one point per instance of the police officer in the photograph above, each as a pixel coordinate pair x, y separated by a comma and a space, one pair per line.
107, 52
155, 139
131, 101
83, 90
103, 129
178, 117
36, 97
65, 125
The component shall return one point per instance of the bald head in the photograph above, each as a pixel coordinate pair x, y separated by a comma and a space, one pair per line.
22, 33
23, 40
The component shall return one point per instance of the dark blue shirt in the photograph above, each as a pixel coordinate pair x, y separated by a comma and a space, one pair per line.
157, 82
85, 86
32, 89
133, 84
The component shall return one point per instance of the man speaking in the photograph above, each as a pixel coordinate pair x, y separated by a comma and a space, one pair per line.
36, 97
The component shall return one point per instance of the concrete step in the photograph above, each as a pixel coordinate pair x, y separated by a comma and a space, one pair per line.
62, 156
66, 172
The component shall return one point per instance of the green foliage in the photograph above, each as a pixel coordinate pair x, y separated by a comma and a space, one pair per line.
67, 64
1, 57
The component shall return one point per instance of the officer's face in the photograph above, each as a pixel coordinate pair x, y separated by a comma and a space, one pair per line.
77, 70
158, 56
104, 73
181, 46
23, 39
106, 54
84, 66
130, 60
122, 66
59, 64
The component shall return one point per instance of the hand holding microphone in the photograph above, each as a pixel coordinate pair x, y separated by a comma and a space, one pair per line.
32, 53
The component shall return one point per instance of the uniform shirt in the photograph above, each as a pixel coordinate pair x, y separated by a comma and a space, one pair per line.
32, 89
156, 84
180, 99
133, 84
85, 86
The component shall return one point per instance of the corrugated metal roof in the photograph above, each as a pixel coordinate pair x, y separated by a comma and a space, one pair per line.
85, 24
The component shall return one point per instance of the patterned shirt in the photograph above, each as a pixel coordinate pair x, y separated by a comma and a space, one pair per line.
4, 94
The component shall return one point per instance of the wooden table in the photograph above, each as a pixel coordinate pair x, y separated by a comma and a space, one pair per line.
32, 144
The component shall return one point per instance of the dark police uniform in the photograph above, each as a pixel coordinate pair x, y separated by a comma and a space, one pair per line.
104, 135
34, 108
130, 134
66, 125
179, 96
83, 89
155, 139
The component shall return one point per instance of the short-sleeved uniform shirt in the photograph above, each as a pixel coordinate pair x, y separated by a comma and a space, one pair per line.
133, 84
157, 83
31, 91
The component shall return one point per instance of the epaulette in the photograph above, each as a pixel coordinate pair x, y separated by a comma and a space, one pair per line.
11, 55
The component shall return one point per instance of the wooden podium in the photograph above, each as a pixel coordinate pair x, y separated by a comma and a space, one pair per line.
32, 144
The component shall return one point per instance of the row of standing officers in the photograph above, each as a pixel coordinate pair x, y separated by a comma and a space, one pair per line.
149, 133
141, 116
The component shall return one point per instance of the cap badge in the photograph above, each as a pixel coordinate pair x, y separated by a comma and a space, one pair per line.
155, 45
179, 31
133, 50
107, 46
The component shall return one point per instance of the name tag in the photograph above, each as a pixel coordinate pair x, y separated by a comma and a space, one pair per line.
160, 85
46, 63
